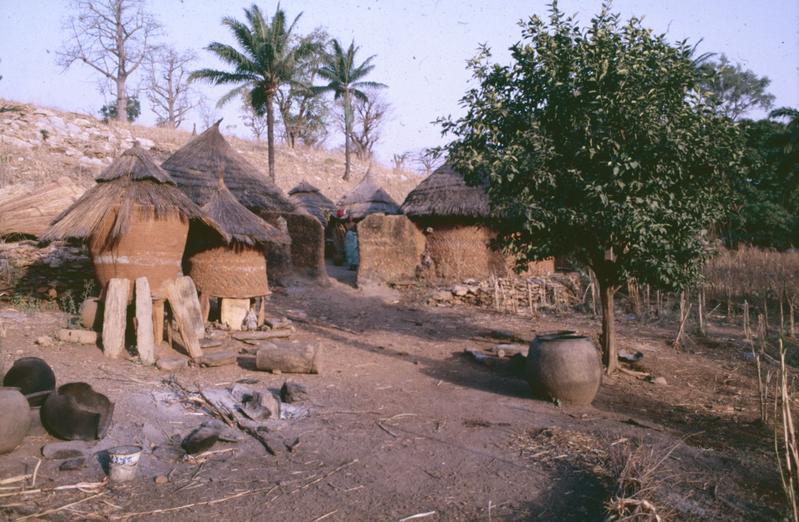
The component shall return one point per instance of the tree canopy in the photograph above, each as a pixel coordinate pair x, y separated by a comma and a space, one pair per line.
267, 59
596, 145
346, 80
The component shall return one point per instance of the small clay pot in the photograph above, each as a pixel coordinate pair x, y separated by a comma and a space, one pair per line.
76, 411
564, 366
89, 313
14, 418
34, 378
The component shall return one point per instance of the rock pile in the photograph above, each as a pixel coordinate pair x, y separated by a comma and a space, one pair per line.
523, 296
50, 271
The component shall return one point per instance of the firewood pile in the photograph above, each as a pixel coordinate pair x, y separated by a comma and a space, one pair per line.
518, 295
47, 271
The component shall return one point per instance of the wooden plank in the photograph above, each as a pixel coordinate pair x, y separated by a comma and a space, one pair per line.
182, 310
288, 358
189, 292
205, 306
158, 322
115, 317
145, 338
260, 336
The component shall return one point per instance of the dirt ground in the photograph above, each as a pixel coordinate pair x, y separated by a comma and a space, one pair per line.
401, 423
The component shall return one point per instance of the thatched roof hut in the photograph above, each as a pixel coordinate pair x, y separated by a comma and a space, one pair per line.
132, 181
28, 209
367, 198
235, 265
195, 165
445, 194
308, 197
136, 221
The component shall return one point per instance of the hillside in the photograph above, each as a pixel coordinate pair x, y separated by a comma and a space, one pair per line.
39, 145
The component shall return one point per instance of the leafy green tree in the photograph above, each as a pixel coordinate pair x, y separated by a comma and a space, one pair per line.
266, 60
346, 81
109, 111
595, 145
733, 90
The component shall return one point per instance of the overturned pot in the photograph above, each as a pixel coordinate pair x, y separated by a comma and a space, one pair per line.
564, 366
76, 411
34, 378
14, 418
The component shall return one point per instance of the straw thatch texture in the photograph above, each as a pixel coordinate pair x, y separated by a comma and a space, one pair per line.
194, 168
239, 224
237, 273
309, 198
463, 251
367, 198
444, 193
390, 249
29, 210
141, 186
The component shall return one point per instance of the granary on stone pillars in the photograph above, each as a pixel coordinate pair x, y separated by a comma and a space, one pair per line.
194, 168
135, 219
459, 227
231, 266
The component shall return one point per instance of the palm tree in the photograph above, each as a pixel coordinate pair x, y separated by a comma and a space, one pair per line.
345, 80
267, 60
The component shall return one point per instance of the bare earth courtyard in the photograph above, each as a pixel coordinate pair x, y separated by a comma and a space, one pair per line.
401, 424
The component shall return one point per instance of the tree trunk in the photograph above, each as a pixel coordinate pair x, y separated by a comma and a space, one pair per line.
609, 356
122, 75
347, 133
270, 134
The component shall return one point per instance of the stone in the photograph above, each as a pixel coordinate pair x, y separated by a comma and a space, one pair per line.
258, 404
160, 480
660, 381
65, 450
72, 464
293, 391
443, 296
201, 438
217, 358
44, 340
172, 362
459, 290
77, 336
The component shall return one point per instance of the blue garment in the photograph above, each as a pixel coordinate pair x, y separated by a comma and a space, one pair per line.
351, 248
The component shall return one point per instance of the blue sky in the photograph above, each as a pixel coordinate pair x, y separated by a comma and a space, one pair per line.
421, 47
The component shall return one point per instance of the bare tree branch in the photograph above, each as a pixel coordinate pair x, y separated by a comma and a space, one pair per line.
112, 37
167, 85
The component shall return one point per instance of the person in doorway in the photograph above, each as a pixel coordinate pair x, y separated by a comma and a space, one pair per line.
351, 246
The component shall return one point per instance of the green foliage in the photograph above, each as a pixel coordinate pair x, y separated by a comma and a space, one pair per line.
596, 146
732, 90
268, 58
109, 111
766, 195
346, 81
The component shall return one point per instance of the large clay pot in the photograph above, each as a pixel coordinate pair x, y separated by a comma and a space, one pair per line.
76, 411
151, 247
564, 366
227, 272
34, 378
14, 418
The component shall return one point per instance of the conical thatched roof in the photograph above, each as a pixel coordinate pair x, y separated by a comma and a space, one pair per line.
239, 224
367, 198
309, 198
444, 193
195, 165
132, 180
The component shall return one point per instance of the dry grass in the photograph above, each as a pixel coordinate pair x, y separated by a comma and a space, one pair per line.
46, 161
